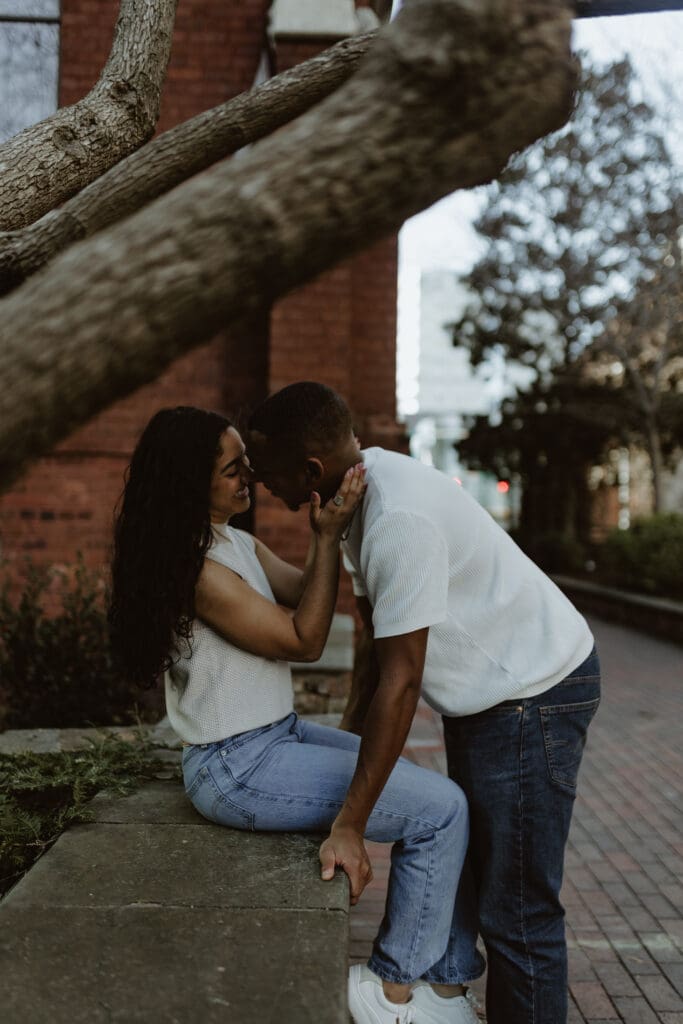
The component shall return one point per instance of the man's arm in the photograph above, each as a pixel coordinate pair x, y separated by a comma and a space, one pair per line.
365, 676
390, 712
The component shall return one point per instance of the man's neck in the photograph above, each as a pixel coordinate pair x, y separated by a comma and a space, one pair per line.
344, 458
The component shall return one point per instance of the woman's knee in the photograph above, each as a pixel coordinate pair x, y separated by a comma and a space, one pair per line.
446, 803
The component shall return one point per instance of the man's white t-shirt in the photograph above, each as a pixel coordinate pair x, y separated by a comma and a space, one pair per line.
425, 553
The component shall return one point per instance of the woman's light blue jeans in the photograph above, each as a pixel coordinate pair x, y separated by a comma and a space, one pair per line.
293, 776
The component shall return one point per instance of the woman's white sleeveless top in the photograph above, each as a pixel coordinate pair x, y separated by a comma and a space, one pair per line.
220, 690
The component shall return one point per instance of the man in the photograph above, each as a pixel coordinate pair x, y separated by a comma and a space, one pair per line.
460, 614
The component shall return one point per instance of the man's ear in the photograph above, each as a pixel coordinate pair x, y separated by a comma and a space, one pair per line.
314, 470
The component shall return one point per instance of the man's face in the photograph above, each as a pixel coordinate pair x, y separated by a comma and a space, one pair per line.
284, 476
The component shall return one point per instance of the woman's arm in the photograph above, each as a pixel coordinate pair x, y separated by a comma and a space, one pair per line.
286, 581
250, 621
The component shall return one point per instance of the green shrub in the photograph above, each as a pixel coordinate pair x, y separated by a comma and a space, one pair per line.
56, 670
42, 794
647, 558
553, 551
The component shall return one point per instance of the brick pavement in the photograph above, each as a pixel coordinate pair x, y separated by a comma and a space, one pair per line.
623, 887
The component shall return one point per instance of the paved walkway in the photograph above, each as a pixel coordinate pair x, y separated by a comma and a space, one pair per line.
624, 872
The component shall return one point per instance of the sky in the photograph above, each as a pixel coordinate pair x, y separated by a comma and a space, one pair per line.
442, 236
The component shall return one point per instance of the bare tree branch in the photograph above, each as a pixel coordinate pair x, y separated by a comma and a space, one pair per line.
175, 156
50, 161
449, 90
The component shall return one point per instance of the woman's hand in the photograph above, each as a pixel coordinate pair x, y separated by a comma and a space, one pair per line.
332, 520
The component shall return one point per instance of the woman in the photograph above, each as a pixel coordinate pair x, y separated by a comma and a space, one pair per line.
203, 602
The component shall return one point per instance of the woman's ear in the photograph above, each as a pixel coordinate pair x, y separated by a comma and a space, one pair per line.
314, 470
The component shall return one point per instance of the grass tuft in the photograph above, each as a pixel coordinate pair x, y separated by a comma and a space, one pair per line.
41, 795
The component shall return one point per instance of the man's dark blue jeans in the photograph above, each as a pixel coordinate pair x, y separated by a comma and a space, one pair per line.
518, 764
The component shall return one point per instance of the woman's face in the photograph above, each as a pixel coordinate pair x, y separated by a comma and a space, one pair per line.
229, 491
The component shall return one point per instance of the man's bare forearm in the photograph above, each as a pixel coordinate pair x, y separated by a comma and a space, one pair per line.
400, 660
390, 713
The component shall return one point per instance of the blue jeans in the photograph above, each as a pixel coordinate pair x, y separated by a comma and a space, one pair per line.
518, 764
293, 776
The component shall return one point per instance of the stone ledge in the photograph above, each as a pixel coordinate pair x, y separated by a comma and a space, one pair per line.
655, 615
154, 914
153, 965
51, 741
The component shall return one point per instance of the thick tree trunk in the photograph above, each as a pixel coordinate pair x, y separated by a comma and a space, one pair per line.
49, 162
175, 156
448, 92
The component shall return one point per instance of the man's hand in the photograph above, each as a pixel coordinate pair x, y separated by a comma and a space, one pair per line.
345, 847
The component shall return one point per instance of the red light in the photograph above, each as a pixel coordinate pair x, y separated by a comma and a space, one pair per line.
458, 480
503, 486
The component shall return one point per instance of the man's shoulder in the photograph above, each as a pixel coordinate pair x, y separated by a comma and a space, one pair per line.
376, 458
389, 474
399, 484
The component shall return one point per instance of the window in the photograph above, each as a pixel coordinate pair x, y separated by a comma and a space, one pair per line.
29, 61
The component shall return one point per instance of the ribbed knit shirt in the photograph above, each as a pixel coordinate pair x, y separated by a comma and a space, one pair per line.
425, 553
221, 690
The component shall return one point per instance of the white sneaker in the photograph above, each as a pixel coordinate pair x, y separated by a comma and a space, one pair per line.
369, 1005
433, 1009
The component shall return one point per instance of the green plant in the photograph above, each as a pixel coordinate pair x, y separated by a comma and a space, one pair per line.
42, 794
553, 551
646, 558
56, 669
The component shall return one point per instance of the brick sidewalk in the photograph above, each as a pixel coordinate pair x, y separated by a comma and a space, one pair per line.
623, 887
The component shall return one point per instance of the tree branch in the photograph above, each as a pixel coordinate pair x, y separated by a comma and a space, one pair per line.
50, 161
176, 155
450, 89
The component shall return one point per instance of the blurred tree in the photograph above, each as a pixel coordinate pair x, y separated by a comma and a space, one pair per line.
583, 265
646, 337
547, 438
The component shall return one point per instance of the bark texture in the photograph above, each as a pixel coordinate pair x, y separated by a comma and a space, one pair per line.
449, 90
50, 161
175, 156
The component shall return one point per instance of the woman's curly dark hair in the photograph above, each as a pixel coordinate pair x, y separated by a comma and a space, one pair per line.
161, 534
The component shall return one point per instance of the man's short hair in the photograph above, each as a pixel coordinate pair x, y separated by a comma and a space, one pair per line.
305, 418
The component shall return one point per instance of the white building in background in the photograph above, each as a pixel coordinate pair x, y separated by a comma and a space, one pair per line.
449, 389
29, 58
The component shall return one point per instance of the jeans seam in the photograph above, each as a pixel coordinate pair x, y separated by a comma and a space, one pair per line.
520, 851
560, 709
429, 827
423, 904
230, 744
206, 776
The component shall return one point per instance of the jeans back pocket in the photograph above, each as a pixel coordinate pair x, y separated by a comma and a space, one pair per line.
564, 737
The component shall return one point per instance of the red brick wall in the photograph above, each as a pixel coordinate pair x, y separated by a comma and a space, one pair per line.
64, 504
340, 329
216, 49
